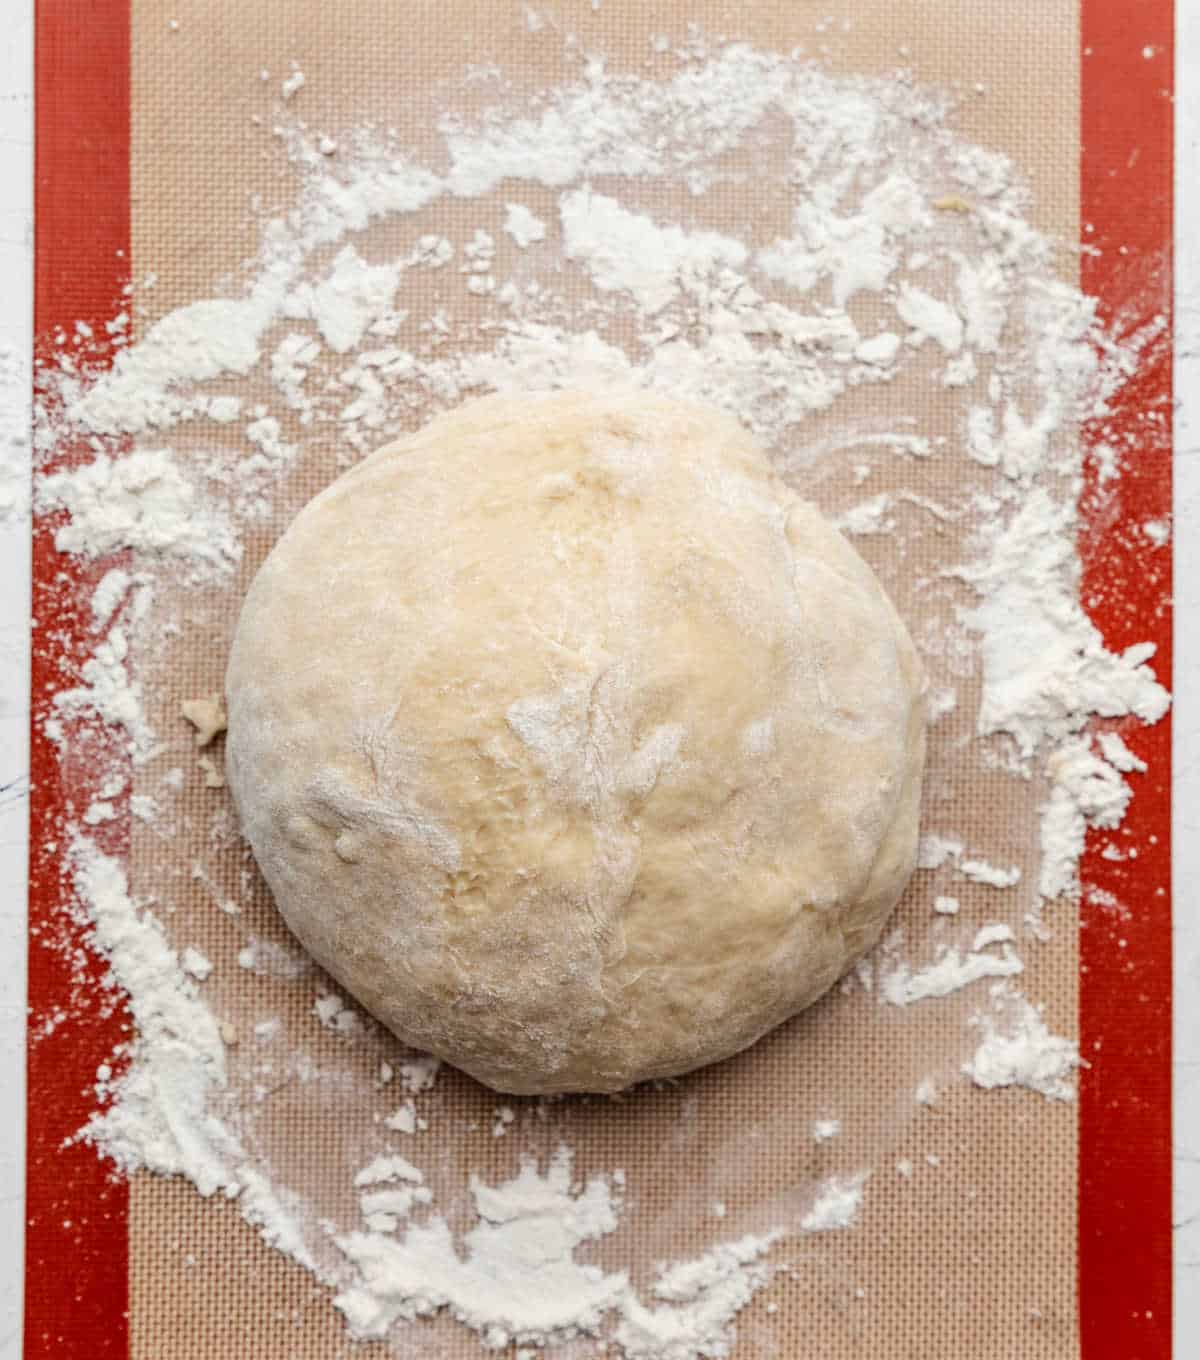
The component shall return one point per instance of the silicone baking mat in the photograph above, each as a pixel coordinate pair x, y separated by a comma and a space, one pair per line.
1068, 1214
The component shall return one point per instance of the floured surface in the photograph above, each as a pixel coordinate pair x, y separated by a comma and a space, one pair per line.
939, 1216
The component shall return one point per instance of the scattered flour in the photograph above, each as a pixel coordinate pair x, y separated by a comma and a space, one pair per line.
1018, 1050
514, 1278
952, 970
161, 1116
1118, 755
868, 517
337, 1015
933, 851
195, 964
108, 595
523, 226
388, 1168
420, 1074
1086, 790
293, 84
837, 1204
1046, 669
141, 502
99, 812
930, 318
109, 695
980, 871
270, 959
628, 252
405, 1119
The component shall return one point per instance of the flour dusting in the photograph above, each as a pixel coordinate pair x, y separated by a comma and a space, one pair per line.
1017, 1049
515, 1280
837, 1204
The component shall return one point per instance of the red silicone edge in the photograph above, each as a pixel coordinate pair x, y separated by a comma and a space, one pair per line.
1126, 118
76, 1236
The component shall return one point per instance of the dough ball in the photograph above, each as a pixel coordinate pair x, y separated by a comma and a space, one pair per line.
572, 743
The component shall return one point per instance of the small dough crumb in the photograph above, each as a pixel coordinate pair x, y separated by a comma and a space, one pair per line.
214, 778
206, 715
953, 203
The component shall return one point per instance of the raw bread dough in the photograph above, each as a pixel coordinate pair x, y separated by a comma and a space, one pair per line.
573, 743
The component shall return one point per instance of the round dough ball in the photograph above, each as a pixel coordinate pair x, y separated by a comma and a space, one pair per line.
572, 743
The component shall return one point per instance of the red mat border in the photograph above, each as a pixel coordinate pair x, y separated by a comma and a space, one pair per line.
76, 1235
76, 1244
1127, 136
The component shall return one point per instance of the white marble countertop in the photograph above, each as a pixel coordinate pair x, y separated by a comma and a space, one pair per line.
16, 207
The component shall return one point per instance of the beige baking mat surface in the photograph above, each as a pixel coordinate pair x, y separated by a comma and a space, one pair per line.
975, 1255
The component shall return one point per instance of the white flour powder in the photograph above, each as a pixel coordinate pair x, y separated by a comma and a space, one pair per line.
1018, 1050
836, 1205
889, 209
514, 1277
161, 1115
141, 501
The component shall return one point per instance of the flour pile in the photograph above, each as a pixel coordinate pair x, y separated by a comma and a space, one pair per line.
890, 317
